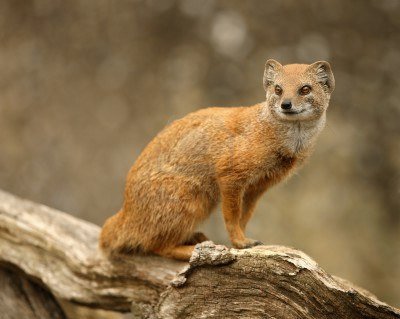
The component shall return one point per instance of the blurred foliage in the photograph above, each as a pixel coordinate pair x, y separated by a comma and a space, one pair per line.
85, 85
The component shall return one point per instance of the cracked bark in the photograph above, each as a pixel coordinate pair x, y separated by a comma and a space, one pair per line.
22, 298
60, 252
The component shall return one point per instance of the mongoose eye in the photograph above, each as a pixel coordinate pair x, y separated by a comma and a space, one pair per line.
305, 90
278, 90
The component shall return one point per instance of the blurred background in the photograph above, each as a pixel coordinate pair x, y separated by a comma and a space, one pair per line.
85, 85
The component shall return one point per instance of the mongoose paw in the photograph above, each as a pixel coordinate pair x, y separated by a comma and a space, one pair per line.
254, 243
247, 243
196, 238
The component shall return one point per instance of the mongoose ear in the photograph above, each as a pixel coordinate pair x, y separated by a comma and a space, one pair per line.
323, 72
272, 68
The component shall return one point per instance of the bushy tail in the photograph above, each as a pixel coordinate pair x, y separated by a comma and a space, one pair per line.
113, 239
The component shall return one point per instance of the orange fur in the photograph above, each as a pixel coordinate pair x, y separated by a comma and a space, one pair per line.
217, 154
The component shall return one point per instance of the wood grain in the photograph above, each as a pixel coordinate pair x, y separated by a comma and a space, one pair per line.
60, 252
22, 298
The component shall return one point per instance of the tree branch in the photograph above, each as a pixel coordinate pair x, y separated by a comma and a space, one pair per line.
21, 298
61, 252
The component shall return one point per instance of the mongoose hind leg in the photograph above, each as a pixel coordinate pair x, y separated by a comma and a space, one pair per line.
181, 252
196, 238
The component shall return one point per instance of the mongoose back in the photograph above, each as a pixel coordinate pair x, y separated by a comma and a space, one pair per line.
228, 155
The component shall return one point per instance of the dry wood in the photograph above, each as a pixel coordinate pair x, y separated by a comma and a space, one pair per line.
61, 252
22, 298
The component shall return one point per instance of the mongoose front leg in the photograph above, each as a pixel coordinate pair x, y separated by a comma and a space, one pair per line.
232, 210
249, 204
250, 198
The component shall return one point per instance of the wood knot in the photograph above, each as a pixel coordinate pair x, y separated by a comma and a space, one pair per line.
205, 253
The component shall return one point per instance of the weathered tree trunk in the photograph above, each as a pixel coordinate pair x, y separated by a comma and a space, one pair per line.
22, 298
61, 252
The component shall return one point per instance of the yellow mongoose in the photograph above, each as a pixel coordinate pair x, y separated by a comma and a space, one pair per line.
216, 154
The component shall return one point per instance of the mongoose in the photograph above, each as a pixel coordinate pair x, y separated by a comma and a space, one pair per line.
232, 155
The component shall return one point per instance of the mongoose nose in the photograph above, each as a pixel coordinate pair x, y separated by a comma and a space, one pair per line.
286, 105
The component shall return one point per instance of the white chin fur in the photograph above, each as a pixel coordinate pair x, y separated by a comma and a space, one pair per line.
303, 116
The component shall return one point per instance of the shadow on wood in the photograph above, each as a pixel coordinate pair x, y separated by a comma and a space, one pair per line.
61, 252
22, 298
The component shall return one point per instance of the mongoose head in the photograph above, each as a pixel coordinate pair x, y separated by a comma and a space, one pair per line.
298, 92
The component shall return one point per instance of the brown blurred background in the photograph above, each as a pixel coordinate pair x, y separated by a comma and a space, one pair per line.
85, 85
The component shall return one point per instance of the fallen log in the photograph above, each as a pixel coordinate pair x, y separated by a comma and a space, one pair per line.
60, 252
22, 298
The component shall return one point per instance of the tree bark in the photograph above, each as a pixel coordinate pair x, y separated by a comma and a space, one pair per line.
22, 298
61, 252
